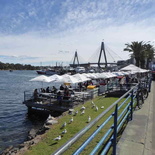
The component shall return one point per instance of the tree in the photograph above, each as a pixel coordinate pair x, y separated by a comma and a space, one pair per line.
137, 48
8, 66
143, 52
149, 53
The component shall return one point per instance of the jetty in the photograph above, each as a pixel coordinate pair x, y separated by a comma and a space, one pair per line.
49, 102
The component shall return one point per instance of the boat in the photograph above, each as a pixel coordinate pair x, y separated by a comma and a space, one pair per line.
47, 71
80, 69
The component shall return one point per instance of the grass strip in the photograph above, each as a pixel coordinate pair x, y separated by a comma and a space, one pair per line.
47, 145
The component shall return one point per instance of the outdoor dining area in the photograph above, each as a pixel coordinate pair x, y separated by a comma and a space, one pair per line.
66, 91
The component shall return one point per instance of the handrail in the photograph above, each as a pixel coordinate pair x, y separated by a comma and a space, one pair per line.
110, 142
84, 130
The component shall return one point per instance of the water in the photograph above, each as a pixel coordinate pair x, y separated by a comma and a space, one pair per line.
14, 122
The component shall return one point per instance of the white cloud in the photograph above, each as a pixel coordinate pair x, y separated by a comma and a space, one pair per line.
77, 25
85, 41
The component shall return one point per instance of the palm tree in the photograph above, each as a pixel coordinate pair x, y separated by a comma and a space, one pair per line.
149, 53
137, 48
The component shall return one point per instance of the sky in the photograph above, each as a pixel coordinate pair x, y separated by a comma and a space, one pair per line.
43, 32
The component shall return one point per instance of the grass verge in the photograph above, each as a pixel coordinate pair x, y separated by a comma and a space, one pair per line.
47, 145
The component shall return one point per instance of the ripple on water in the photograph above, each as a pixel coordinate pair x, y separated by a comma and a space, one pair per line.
14, 123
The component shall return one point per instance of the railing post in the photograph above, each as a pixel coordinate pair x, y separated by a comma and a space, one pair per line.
115, 130
131, 114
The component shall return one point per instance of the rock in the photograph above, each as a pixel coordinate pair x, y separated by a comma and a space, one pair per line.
32, 134
70, 112
31, 142
46, 127
14, 150
41, 131
7, 150
51, 122
21, 146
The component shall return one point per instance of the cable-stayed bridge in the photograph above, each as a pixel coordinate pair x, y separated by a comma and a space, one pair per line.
103, 56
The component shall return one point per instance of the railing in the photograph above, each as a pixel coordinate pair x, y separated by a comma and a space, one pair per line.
114, 86
126, 114
50, 97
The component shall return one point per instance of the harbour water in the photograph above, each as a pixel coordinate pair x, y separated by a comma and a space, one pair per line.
14, 121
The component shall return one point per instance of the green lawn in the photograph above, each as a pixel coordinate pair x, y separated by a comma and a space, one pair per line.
47, 145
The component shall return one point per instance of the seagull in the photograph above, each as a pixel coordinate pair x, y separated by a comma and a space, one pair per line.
83, 108
76, 113
89, 119
96, 108
64, 125
102, 107
71, 120
82, 112
63, 132
57, 138
92, 103
93, 106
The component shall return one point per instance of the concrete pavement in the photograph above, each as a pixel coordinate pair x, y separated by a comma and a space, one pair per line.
139, 136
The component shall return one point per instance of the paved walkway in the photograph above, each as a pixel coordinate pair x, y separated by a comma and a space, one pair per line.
139, 135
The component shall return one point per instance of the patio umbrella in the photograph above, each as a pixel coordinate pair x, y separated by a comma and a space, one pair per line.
41, 78
104, 75
133, 68
70, 79
91, 75
81, 77
56, 78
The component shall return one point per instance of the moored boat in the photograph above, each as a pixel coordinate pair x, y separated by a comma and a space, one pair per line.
47, 72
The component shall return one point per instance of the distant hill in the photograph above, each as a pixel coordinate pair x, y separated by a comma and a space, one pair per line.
8, 66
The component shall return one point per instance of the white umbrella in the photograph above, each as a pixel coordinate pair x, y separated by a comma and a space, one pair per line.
110, 74
91, 75
85, 74
118, 73
56, 78
81, 77
133, 68
41, 78
69, 79
104, 75
97, 75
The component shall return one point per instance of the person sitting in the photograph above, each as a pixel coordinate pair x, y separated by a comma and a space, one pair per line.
54, 90
80, 86
43, 90
66, 94
47, 90
61, 87
35, 95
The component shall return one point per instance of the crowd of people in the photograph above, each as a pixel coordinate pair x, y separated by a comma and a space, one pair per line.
64, 92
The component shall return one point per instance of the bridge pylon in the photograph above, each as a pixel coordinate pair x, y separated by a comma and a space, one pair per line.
105, 58
76, 58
